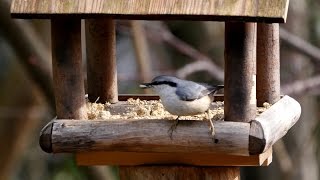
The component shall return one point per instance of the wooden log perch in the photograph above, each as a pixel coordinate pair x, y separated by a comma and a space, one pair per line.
45, 138
148, 136
273, 124
151, 136
139, 142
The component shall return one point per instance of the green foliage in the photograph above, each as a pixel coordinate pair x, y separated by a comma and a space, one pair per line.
69, 171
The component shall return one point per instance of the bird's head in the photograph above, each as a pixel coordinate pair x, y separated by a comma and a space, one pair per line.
161, 84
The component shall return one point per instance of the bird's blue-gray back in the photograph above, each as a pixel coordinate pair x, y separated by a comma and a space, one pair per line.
190, 91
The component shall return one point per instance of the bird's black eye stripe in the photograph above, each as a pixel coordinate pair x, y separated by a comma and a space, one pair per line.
172, 84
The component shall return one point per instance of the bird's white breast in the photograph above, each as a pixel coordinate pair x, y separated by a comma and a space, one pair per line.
175, 106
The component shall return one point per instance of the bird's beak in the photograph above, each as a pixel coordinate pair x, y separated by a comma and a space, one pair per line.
145, 85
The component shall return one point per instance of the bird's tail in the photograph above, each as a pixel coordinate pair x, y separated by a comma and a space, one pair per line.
214, 89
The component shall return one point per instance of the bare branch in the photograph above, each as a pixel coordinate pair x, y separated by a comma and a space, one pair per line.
141, 50
301, 86
200, 66
32, 55
300, 45
161, 32
284, 159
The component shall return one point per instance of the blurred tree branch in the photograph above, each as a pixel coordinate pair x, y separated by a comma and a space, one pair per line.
284, 159
33, 57
301, 86
307, 49
141, 50
32, 54
300, 45
160, 32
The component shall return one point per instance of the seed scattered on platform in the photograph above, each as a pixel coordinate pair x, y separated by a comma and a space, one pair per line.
153, 109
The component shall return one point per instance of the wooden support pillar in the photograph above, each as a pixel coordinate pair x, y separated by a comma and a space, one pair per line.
68, 80
101, 61
240, 72
268, 64
179, 173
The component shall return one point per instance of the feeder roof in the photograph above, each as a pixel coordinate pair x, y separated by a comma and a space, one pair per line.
217, 10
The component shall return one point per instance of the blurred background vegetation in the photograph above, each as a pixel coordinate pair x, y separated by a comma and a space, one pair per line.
191, 50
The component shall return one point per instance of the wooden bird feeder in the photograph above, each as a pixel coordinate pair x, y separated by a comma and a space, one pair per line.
252, 77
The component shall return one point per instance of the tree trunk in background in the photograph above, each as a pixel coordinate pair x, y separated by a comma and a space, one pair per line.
302, 146
20, 113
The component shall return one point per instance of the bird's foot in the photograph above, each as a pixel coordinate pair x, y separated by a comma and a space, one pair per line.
211, 126
173, 127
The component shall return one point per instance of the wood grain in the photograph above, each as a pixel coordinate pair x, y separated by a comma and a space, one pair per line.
149, 136
242, 10
268, 63
240, 64
68, 80
240, 71
185, 158
169, 172
273, 124
101, 60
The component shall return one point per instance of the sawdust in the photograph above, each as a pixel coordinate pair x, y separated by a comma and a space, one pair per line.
264, 108
152, 109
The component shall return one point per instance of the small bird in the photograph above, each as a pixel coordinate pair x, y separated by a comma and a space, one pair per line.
182, 97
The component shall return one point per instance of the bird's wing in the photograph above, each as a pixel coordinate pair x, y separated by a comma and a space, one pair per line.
211, 89
186, 93
190, 91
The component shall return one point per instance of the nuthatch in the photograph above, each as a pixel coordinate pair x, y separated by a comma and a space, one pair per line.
181, 97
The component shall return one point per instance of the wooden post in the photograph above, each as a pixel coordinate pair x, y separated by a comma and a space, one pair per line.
268, 64
68, 80
179, 173
240, 73
102, 69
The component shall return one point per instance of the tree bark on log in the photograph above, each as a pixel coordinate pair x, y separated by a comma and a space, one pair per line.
68, 82
240, 72
169, 172
268, 63
273, 124
149, 136
102, 69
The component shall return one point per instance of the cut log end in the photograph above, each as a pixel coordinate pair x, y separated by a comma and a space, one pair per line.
256, 145
45, 140
257, 141
273, 124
